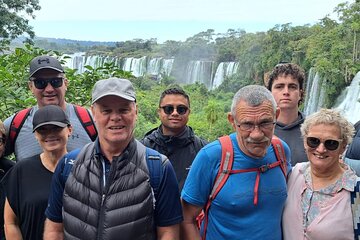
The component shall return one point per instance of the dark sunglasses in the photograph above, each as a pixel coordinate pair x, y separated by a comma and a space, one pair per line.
169, 109
330, 144
41, 83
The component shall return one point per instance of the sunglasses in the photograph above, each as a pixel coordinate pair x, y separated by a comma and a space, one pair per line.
330, 144
41, 83
169, 109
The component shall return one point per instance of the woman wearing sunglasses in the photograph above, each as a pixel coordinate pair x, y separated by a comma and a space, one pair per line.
28, 182
318, 205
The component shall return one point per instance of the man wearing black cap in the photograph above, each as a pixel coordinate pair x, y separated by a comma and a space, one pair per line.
48, 84
110, 189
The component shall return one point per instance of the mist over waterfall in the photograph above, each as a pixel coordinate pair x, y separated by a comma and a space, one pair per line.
315, 93
199, 71
348, 101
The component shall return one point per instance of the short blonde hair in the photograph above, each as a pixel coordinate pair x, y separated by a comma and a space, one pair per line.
329, 117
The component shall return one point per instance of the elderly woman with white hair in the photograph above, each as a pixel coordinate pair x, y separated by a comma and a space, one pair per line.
320, 190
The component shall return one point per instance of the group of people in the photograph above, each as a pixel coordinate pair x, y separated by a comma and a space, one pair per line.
172, 184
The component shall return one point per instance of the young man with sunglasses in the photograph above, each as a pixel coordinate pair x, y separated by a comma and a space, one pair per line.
173, 137
286, 85
48, 84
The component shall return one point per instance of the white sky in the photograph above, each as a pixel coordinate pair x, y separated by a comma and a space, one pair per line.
119, 20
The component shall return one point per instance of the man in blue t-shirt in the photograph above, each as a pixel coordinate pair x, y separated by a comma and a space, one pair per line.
250, 204
109, 192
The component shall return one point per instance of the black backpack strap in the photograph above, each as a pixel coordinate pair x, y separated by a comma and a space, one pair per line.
16, 124
86, 121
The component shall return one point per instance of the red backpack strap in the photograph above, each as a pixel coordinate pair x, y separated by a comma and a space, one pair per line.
227, 160
86, 121
280, 153
16, 124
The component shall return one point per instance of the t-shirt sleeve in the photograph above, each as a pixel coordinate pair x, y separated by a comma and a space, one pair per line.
201, 176
54, 208
168, 209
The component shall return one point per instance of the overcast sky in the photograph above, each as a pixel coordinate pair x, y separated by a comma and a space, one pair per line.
118, 20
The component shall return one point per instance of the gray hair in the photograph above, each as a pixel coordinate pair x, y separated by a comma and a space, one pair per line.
329, 117
253, 95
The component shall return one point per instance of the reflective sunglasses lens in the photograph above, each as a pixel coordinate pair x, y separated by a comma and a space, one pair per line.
168, 109
331, 144
56, 82
40, 83
181, 110
312, 142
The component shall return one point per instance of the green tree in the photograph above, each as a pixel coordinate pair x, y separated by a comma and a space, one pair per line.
12, 21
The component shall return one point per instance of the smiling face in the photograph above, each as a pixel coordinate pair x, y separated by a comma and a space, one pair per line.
174, 122
321, 158
115, 120
286, 91
49, 95
53, 138
253, 142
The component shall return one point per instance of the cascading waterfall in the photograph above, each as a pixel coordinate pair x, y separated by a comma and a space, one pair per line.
199, 71
225, 69
315, 89
348, 102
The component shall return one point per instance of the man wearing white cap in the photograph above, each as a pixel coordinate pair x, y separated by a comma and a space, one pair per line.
112, 190
48, 84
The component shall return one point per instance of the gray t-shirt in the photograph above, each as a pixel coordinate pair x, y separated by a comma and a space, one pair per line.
26, 144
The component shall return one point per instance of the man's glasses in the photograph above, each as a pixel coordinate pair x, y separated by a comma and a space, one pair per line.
169, 109
248, 126
330, 144
41, 83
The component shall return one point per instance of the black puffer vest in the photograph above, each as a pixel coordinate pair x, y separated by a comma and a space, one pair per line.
123, 209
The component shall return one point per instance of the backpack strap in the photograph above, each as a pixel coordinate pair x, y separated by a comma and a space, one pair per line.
227, 160
280, 154
86, 121
16, 124
154, 163
355, 208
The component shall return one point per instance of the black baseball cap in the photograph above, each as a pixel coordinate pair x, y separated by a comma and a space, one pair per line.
45, 62
50, 115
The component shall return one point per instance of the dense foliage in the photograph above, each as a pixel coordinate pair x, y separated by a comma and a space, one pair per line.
13, 18
331, 47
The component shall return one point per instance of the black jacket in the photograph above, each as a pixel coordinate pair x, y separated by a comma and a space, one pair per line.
181, 150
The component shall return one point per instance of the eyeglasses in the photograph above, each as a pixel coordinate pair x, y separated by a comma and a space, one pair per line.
41, 83
248, 126
169, 109
330, 144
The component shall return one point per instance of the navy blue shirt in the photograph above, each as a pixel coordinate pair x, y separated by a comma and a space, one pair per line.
167, 207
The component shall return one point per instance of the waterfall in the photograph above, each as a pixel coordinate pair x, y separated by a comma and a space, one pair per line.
348, 102
199, 71
315, 93
75, 61
225, 69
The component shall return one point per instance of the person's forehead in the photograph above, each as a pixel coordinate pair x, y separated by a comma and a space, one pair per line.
264, 110
286, 79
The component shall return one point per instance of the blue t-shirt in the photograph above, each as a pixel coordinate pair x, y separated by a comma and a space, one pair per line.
168, 209
232, 213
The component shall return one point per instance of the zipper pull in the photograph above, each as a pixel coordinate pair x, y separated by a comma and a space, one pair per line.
102, 200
